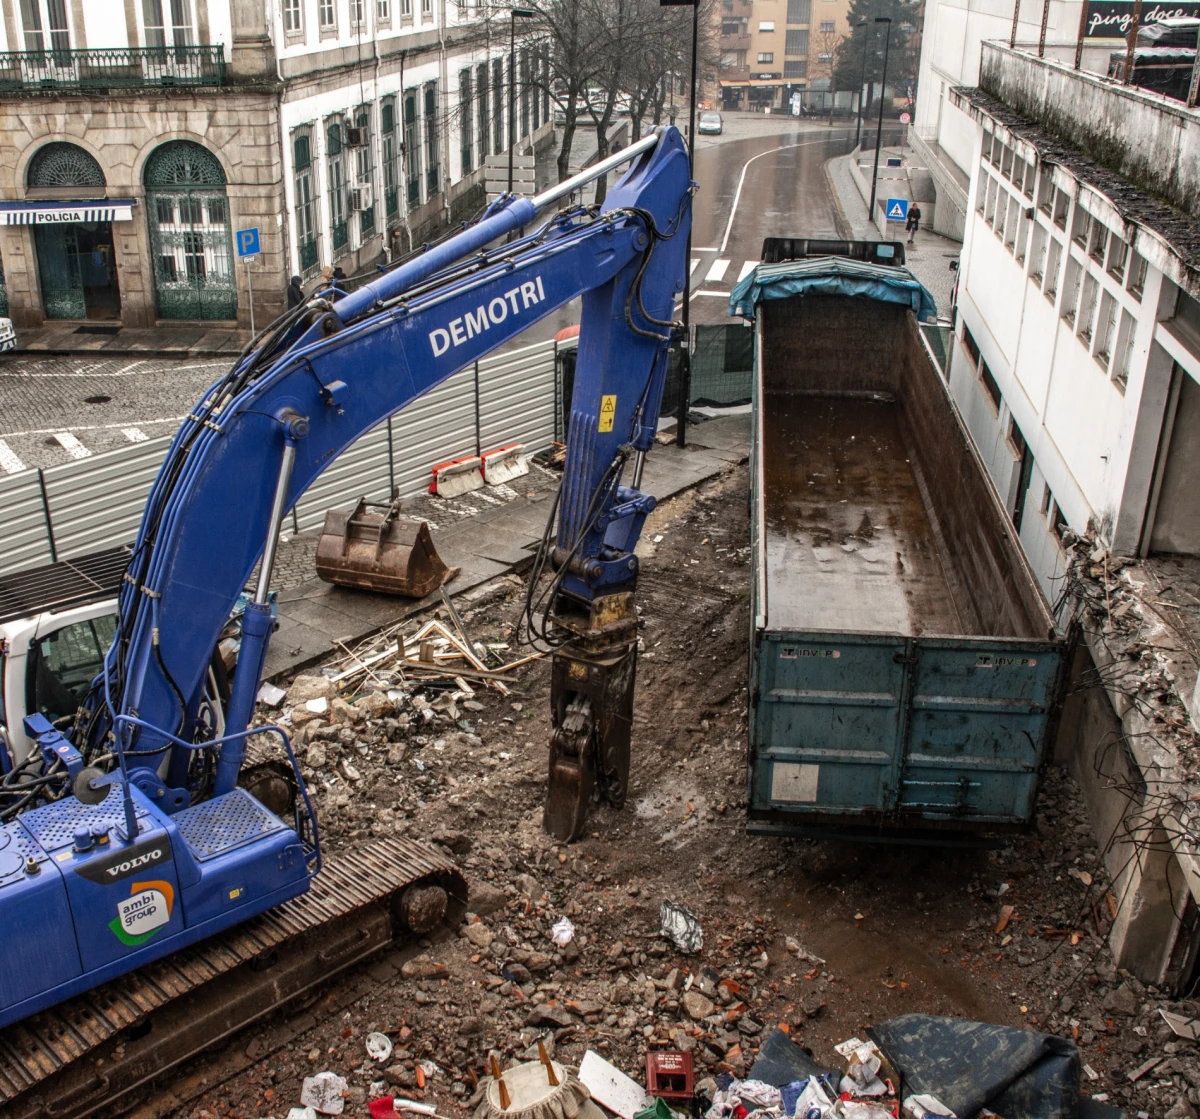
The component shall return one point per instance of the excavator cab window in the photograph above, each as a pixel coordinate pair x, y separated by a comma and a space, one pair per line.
63, 663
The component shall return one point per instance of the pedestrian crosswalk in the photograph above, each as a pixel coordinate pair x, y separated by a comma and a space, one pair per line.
9, 462
72, 445
716, 277
716, 272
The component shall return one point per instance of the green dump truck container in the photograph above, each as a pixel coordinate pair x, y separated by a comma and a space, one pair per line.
905, 668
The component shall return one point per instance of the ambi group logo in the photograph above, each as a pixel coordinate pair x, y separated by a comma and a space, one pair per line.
143, 913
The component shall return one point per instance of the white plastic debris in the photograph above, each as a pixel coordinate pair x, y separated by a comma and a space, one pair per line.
379, 1046
429, 1068
1182, 1026
325, 1092
610, 1087
271, 695
563, 932
813, 1102
301, 1113
318, 706
681, 925
926, 1107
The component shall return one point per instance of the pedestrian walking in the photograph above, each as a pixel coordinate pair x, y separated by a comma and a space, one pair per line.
913, 223
295, 293
339, 284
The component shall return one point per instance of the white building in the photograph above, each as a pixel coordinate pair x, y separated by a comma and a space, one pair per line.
138, 137
952, 35
1078, 374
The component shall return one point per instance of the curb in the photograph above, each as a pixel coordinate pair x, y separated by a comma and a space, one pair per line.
842, 222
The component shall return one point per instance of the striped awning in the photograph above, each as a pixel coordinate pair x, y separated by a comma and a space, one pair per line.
57, 213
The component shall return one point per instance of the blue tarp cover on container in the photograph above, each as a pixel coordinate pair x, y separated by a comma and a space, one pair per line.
832, 275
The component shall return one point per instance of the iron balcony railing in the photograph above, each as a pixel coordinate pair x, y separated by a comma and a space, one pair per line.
121, 68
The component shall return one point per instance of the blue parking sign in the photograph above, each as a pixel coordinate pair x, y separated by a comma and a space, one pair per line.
247, 242
897, 209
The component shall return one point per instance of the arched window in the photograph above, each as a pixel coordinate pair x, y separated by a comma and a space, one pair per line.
63, 165
188, 212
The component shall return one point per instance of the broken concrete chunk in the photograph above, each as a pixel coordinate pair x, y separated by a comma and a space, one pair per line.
324, 1093
305, 688
698, 1006
422, 967
479, 934
1121, 1001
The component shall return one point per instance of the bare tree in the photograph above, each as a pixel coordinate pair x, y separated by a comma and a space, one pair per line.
827, 41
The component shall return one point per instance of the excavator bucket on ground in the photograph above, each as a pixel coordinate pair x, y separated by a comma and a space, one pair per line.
380, 551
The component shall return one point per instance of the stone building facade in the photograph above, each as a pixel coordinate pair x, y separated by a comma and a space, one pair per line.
182, 160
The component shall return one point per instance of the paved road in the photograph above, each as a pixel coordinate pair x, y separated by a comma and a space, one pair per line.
763, 176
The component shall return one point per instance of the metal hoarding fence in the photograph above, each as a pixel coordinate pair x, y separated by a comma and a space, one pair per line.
96, 502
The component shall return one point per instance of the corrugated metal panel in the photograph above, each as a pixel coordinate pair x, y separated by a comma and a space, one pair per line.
362, 471
516, 398
23, 539
97, 502
438, 427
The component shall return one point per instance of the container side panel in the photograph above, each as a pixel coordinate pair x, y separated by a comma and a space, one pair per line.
976, 537
828, 716
977, 730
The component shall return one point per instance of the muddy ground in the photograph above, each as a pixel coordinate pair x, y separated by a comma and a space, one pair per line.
823, 937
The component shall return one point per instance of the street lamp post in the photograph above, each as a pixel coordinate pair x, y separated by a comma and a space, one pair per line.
513, 15
879, 129
862, 82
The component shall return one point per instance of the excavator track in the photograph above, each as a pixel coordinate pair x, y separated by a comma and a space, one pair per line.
92, 1053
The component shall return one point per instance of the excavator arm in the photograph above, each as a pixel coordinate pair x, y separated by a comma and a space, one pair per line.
189, 853
263, 434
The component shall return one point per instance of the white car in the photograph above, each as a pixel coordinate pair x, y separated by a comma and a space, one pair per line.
8, 336
710, 124
56, 624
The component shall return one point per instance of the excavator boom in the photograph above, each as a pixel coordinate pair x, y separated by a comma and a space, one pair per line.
134, 840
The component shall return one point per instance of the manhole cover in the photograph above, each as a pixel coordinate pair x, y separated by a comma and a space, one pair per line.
101, 399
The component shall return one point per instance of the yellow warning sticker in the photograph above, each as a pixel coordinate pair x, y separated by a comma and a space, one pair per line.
608, 409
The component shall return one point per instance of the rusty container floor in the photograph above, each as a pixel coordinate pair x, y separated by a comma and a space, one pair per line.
849, 541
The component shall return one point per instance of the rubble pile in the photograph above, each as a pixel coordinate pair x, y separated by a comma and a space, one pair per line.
1142, 637
578, 946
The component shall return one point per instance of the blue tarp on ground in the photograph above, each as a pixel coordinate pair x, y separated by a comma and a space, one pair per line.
832, 275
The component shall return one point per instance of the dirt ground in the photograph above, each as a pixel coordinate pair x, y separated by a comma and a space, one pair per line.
823, 937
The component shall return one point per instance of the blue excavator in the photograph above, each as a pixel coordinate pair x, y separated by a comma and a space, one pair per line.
141, 888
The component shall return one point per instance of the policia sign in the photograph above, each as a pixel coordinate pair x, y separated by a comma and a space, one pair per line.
1112, 19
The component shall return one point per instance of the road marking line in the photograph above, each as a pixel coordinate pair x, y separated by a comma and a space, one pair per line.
747, 267
717, 272
695, 264
134, 434
706, 249
88, 427
718, 294
71, 445
742, 179
9, 462
127, 371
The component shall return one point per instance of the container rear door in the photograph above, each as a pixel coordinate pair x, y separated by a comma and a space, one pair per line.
978, 722
827, 723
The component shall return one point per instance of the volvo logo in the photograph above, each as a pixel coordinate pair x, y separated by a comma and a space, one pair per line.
116, 866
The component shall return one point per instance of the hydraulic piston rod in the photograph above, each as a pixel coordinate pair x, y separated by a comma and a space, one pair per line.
256, 619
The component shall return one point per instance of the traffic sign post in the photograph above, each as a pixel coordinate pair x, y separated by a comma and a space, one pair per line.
248, 248
897, 209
